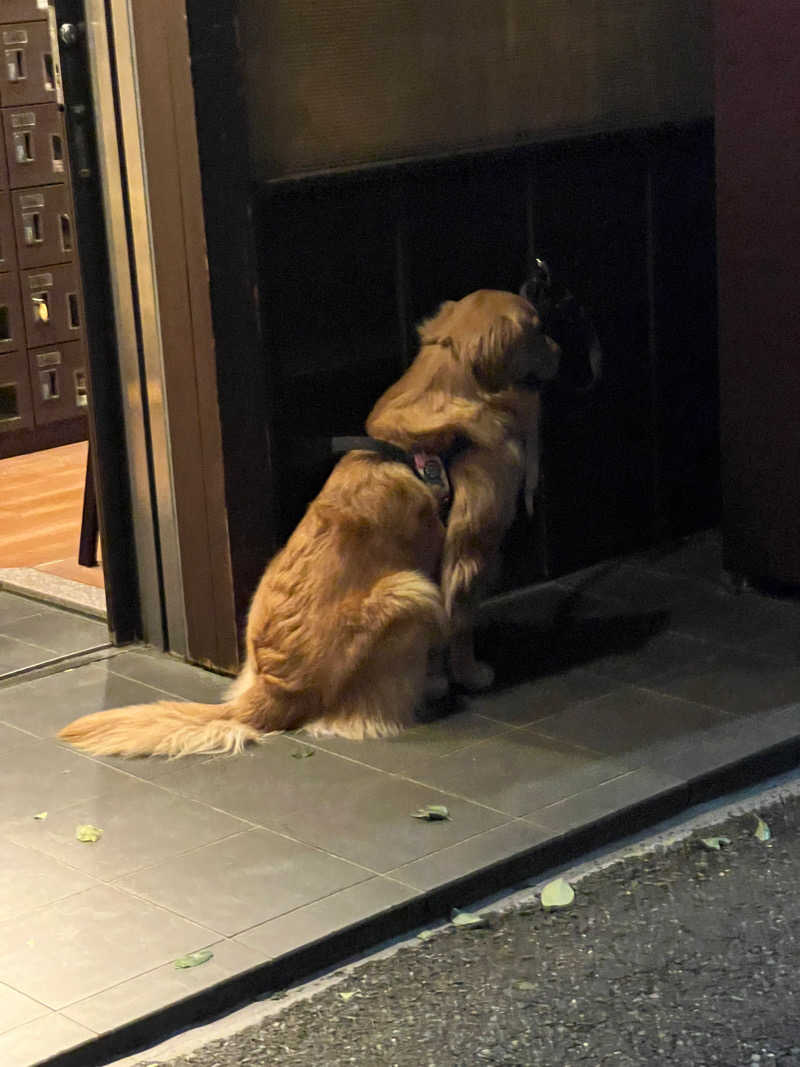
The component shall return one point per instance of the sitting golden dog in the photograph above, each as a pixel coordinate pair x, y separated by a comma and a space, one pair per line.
371, 581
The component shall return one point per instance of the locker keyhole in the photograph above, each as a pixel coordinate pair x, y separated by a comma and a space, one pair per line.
23, 146
57, 147
66, 233
5, 323
32, 227
72, 311
9, 403
81, 391
49, 72
15, 64
49, 384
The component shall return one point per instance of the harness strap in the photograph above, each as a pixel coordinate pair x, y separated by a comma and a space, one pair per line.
430, 468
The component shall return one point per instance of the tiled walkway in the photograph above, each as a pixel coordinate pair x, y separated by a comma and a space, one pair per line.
33, 634
622, 695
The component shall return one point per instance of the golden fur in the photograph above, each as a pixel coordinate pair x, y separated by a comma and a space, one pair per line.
345, 615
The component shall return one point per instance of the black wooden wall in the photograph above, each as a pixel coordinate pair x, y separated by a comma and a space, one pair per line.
349, 263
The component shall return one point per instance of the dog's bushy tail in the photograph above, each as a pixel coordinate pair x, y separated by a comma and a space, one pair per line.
164, 729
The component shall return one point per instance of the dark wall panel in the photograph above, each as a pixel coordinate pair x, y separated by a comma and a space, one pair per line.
349, 264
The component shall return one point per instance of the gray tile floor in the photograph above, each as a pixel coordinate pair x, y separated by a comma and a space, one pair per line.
615, 686
33, 633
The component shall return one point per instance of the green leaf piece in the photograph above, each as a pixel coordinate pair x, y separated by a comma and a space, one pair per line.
88, 833
348, 995
193, 959
524, 986
431, 813
426, 935
303, 753
762, 832
40, 816
466, 918
714, 844
557, 894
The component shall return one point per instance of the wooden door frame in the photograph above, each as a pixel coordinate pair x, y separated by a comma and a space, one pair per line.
162, 302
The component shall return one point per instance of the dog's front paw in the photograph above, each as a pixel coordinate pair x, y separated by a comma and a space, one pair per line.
475, 677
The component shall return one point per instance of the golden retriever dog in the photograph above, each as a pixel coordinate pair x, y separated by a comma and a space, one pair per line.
373, 580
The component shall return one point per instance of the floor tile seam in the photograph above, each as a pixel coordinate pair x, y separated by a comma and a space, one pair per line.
29, 644
221, 940
314, 743
232, 935
21, 618
478, 743
22, 674
733, 715
711, 584
165, 692
452, 794
318, 900
512, 595
4, 632
624, 756
307, 845
144, 899
40, 607
64, 746
506, 728
582, 792
21, 730
70, 661
27, 916
46, 1011
644, 688
618, 684
111, 880
511, 820
728, 646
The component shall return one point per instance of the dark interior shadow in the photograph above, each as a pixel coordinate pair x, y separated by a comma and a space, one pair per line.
521, 651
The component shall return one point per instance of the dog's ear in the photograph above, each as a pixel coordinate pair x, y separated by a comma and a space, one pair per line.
487, 353
434, 331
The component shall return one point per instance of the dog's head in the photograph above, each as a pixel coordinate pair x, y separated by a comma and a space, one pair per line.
568, 324
497, 336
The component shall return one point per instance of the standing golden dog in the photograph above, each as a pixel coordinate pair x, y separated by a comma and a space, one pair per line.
372, 581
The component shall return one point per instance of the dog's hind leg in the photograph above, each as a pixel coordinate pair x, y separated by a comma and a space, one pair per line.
401, 620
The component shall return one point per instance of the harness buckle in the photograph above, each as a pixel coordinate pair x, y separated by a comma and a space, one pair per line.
431, 470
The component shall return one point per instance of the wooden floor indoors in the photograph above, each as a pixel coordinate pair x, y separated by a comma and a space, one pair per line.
41, 503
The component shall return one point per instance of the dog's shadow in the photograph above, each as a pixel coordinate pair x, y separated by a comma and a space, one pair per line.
521, 651
524, 643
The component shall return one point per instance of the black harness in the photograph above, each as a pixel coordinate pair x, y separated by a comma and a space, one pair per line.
429, 467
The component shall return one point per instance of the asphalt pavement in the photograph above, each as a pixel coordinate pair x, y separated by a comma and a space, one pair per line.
680, 950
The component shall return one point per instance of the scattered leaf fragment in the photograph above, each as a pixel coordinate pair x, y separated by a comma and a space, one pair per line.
714, 844
88, 833
40, 816
426, 935
557, 894
431, 813
466, 918
193, 959
525, 985
303, 753
348, 995
762, 832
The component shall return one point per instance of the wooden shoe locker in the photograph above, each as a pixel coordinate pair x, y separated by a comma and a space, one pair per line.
43, 385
